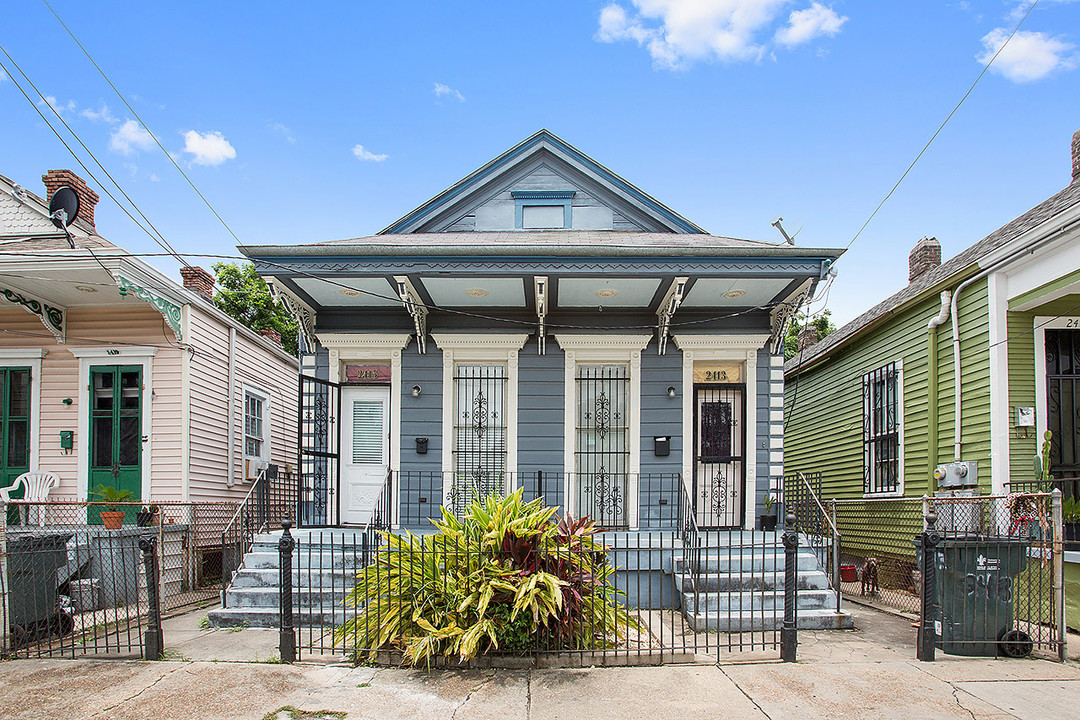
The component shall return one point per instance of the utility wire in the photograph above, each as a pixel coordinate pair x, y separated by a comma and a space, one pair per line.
140, 120
160, 239
942, 126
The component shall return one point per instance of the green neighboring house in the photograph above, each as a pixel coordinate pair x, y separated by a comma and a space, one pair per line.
874, 407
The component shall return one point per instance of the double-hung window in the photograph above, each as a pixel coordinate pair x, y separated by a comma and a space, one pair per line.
882, 431
256, 425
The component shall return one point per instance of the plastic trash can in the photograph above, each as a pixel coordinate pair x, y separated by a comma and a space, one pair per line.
32, 600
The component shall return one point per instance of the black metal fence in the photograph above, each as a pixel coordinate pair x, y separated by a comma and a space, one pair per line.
273, 497
81, 579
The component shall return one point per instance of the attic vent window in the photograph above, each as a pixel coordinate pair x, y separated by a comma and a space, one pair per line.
542, 209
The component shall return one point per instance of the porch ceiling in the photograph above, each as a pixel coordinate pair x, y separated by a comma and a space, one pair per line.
92, 287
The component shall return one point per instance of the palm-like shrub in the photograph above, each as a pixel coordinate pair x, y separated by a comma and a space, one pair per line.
503, 578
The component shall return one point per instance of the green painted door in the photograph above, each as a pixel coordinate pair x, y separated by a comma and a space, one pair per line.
116, 431
14, 428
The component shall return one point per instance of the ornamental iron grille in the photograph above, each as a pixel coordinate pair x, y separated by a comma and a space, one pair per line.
881, 430
479, 450
602, 451
320, 406
719, 463
1063, 401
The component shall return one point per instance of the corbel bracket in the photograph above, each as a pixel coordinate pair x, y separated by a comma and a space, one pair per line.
540, 285
671, 302
414, 305
53, 317
305, 316
169, 310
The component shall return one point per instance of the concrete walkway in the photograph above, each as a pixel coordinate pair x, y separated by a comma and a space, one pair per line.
869, 672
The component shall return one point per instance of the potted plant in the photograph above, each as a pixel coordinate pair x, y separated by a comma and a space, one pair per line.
113, 515
1070, 516
768, 520
147, 516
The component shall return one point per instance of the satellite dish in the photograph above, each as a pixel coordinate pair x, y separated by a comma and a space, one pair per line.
63, 199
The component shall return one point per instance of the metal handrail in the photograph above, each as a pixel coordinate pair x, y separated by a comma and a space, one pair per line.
240, 507
817, 500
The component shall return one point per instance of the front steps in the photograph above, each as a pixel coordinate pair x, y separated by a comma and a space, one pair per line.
740, 588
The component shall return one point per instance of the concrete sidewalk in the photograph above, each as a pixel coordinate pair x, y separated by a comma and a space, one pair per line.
869, 672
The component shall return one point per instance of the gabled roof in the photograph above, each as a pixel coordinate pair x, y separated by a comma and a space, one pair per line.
1034, 217
473, 189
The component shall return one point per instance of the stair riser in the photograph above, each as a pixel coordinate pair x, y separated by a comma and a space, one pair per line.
270, 578
821, 620
738, 583
305, 561
745, 602
268, 598
231, 617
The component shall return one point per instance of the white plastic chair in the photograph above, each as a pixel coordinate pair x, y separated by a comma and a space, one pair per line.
36, 487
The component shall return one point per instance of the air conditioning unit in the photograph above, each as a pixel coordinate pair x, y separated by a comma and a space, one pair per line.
253, 467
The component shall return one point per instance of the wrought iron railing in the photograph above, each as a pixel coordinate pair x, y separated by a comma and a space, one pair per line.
816, 525
271, 499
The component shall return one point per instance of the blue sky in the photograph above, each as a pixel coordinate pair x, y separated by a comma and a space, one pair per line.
327, 120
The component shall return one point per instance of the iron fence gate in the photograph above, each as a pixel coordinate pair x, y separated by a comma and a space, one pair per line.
320, 407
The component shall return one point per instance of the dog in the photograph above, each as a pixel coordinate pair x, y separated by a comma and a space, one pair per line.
870, 577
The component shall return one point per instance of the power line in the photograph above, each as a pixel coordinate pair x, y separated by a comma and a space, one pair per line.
942, 126
140, 120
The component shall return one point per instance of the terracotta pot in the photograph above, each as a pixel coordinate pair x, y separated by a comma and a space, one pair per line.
112, 519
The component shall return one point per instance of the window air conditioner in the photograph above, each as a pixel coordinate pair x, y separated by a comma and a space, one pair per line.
253, 467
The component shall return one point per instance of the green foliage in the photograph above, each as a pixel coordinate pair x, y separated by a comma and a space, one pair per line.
245, 296
768, 502
503, 578
1070, 510
112, 496
823, 322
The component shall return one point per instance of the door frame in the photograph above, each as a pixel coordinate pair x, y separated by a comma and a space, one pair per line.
740, 387
98, 356
343, 397
31, 358
1042, 405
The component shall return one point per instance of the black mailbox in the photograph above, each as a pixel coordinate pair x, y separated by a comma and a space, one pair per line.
421, 446
661, 446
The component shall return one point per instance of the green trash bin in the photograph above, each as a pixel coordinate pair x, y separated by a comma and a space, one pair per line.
32, 599
975, 582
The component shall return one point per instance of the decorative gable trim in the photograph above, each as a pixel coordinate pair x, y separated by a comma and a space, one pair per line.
53, 317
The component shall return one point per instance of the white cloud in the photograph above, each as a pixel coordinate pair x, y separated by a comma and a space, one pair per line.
154, 177
806, 25
102, 115
209, 148
1029, 55
367, 155
283, 130
441, 90
679, 32
130, 137
58, 106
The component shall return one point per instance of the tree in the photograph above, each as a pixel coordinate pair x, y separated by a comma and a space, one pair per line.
822, 321
245, 296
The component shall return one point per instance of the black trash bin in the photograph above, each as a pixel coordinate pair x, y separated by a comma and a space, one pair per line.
975, 582
32, 562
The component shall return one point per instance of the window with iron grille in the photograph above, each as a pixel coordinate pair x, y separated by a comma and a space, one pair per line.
881, 430
602, 449
479, 450
254, 425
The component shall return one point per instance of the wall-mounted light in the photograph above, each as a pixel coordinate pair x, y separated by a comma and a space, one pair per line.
671, 391
416, 391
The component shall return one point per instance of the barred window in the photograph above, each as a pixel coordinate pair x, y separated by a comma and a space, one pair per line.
479, 448
881, 430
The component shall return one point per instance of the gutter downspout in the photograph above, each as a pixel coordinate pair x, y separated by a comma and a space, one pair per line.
957, 380
932, 389
230, 399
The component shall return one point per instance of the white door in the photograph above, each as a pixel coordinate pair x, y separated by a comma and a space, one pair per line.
365, 446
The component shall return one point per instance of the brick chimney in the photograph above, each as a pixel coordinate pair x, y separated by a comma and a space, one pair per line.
198, 280
56, 179
808, 336
1076, 156
271, 334
924, 257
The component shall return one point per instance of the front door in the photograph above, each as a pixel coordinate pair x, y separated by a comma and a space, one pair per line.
365, 450
719, 437
1063, 391
115, 432
14, 428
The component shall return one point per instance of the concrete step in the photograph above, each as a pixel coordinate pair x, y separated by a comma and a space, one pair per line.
318, 561
271, 577
269, 597
748, 601
270, 618
744, 561
725, 582
758, 621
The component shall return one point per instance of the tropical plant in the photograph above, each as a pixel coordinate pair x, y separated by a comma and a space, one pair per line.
1042, 464
503, 578
768, 502
112, 497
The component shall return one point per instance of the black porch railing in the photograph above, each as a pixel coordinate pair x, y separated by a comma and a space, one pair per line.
273, 498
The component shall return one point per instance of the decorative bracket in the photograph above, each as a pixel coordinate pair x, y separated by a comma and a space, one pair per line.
671, 302
414, 305
53, 317
304, 315
169, 310
782, 313
540, 285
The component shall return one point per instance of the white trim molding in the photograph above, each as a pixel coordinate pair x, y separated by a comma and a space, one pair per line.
474, 347
1042, 324
381, 341
721, 342
104, 355
998, 308
594, 349
31, 358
